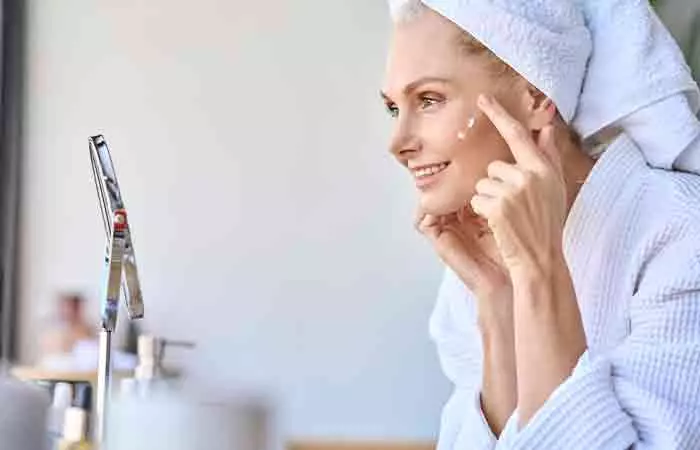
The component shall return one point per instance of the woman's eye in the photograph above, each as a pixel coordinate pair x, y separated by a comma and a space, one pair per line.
392, 110
427, 101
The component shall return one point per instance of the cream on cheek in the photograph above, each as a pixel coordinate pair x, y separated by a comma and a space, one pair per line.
473, 151
462, 134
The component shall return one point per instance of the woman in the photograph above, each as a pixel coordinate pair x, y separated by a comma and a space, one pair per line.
569, 317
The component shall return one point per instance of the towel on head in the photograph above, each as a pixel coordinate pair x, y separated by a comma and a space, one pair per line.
638, 80
604, 63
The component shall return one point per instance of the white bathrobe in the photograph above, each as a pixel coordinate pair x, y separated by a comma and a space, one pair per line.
632, 242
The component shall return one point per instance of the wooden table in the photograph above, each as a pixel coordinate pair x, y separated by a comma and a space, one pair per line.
37, 374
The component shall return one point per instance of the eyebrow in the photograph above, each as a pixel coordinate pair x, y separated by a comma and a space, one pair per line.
418, 83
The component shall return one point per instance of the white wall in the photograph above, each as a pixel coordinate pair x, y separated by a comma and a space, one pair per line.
271, 226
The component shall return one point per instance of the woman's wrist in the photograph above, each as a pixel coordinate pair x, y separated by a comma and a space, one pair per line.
495, 312
539, 285
495, 325
499, 393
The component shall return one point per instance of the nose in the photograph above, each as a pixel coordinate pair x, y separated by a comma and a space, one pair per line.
405, 143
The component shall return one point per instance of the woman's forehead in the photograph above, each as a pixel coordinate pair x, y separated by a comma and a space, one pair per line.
411, 60
427, 31
427, 40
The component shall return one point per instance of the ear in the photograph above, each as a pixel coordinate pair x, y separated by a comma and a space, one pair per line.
540, 110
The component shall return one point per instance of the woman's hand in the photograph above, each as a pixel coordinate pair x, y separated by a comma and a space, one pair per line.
524, 203
464, 244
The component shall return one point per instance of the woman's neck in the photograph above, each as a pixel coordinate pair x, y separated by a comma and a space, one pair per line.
577, 165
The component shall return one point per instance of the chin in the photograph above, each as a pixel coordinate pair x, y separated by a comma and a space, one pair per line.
440, 204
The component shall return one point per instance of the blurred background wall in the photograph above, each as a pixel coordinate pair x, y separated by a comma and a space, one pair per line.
678, 15
271, 226
683, 19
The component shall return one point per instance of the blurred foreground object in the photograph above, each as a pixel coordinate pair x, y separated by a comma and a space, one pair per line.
77, 421
165, 420
23, 415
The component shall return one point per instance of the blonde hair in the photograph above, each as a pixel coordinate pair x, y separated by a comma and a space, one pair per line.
407, 10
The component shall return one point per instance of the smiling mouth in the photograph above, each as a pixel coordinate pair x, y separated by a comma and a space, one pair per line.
425, 172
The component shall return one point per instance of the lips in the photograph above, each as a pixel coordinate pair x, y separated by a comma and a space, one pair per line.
429, 170
428, 174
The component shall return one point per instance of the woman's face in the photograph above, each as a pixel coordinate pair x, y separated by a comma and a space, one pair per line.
431, 90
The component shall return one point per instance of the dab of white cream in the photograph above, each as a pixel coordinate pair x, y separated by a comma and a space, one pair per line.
470, 124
